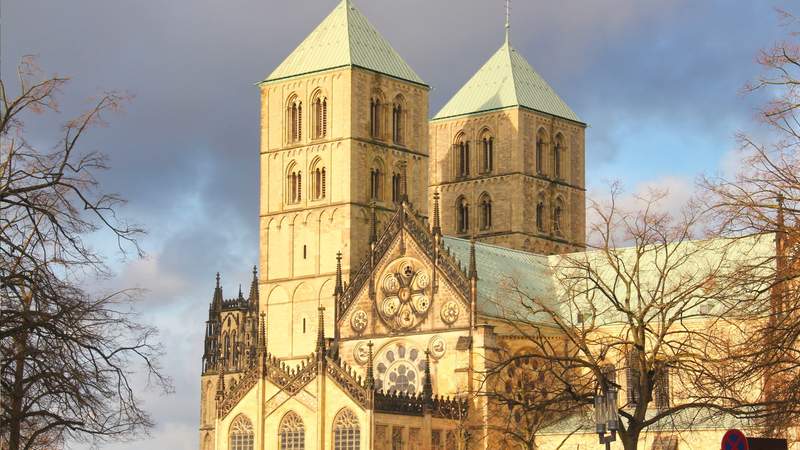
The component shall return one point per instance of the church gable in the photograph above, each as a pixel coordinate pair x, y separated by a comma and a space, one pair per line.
408, 283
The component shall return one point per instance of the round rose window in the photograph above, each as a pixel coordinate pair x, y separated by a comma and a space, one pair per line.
400, 368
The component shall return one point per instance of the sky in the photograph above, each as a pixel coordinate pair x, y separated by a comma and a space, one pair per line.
659, 83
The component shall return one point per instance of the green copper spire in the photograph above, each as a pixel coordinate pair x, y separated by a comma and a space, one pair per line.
344, 39
506, 80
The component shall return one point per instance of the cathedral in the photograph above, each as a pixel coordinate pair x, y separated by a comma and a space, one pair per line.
385, 236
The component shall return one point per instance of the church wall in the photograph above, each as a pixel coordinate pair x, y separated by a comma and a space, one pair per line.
515, 183
300, 240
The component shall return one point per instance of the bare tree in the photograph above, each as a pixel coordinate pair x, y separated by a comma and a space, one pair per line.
763, 196
66, 355
649, 310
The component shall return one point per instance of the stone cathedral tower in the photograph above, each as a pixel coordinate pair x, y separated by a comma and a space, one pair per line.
508, 160
343, 121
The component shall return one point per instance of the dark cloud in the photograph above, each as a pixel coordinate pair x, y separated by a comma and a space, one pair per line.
185, 151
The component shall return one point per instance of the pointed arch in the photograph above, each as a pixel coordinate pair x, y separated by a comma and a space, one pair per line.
485, 204
292, 432
208, 403
208, 443
319, 180
542, 141
540, 211
558, 155
461, 155
558, 213
346, 431
240, 433
319, 103
462, 215
376, 106
487, 151
398, 119
294, 183
376, 176
294, 118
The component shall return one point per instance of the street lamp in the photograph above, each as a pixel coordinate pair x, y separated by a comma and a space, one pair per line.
606, 416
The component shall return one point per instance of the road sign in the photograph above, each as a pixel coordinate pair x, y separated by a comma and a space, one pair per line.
734, 440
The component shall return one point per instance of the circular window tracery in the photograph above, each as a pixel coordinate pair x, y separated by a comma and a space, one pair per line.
400, 368
405, 299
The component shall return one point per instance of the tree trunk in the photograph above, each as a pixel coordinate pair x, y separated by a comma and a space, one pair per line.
15, 438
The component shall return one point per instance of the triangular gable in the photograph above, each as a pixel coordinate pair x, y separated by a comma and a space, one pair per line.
406, 220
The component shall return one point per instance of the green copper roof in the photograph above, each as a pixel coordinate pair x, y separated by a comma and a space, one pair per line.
344, 39
506, 80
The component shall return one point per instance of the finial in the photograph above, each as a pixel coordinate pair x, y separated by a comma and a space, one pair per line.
254, 288
370, 381
427, 387
241, 296
338, 289
404, 182
262, 334
373, 226
437, 227
473, 266
321, 332
217, 279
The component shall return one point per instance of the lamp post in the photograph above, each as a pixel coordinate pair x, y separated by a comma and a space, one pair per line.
606, 416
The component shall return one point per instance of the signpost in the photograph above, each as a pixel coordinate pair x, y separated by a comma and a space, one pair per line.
736, 440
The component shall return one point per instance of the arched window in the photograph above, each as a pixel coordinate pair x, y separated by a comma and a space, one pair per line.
320, 104
541, 148
318, 180
375, 116
461, 148
398, 120
376, 181
632, 376
558, 149
294, 183
661, 386
557, 216
240, 435
540, 215
487, 157
294, 117
462, 212
346, 432
291, 432
395, 187
486, 212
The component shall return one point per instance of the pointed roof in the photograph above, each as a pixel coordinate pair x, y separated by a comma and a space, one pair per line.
506, 80
344, 39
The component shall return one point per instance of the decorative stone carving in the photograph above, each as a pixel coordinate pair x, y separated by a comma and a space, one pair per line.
437, 347
361, 353
359, 321
405, 298
450, 312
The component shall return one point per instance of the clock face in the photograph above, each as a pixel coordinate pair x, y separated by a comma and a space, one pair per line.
404, 298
